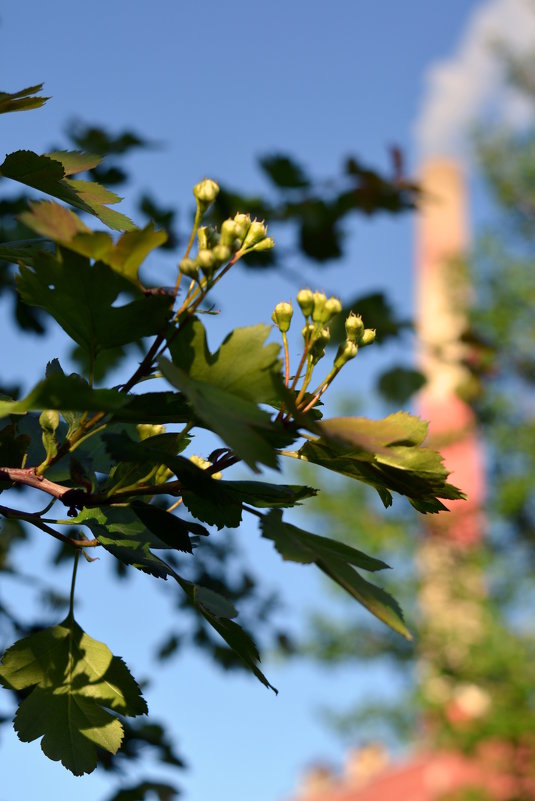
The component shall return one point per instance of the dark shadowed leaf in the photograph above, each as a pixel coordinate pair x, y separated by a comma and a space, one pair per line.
24, 100
336, 560
80, 296
284, 172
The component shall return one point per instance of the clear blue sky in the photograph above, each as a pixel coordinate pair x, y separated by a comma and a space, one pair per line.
218, 84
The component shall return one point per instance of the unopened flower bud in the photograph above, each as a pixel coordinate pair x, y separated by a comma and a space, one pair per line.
319, 304
282, 316
222, 253
354, 327
189, 267
307, 331
321, 339
367, 337
202, 236
230, 231
256, 233
305, 298
346, 351
243, 221
206, 261
205, 193
331, 309
265, 244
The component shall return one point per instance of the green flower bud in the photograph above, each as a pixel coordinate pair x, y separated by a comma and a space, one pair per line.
331, 309
256, 233
202, 236
307, 331
282, 316
243, 221
321, 338
222, 253
205, 193
189, 267
206, 261
230, 232
319, 304
265, 244
305, 298
346, 351
354, 327
367, 337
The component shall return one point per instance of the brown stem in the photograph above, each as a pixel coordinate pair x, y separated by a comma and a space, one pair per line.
34, 519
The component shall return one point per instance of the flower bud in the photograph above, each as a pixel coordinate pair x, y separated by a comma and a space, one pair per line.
206, 261
222, 253
243, 221
205, 193
354, 327
265, 244
319, 304
307, 331
305, 298
202, 236
282, 316
346, 351
230, 231
256, 233
321, 338
367, 337
189, 267
331, 309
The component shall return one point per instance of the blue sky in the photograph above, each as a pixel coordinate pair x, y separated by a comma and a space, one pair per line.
217, 85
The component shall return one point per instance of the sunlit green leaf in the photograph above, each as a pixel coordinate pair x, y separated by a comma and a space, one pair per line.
48, 175
386, 454
75, 681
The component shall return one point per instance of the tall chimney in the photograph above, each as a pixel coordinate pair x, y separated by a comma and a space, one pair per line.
452, 585
442, 301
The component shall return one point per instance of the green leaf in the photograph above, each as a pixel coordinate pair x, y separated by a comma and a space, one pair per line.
284, 172
143, 790
80, 296
75, 681
63, 226
74, 161
66, 392
386, 454
246, 429
120, 532
264, 495
243, 365
336, 560
205, 497
174, 531
398, 384
48, 175
24, 100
